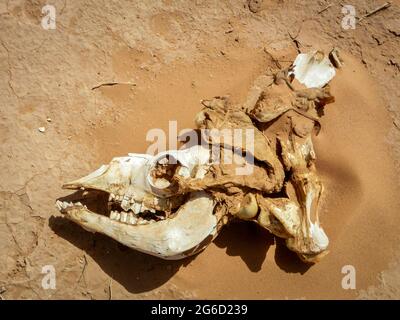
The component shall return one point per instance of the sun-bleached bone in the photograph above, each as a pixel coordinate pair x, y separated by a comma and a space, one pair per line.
117, 177
313, 69
295, 218
193, 163
299, 157
286, 213
187, 233
132, 175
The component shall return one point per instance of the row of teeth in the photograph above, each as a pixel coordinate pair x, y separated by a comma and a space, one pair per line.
123, 217
129, 218
62, 205
130, 204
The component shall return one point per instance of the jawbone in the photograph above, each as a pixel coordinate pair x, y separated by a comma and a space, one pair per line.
192, 228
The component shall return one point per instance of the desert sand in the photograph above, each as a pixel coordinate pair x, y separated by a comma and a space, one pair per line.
166, 56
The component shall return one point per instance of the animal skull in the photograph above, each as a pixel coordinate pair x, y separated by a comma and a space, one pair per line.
174, 204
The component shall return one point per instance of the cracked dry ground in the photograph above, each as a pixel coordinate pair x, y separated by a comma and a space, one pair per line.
168, 55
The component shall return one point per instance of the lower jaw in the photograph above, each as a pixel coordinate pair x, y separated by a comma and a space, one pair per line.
172, 238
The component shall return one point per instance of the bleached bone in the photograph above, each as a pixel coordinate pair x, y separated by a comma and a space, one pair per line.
194, 163
299, 157
132, 182
279, 215
132, 176
313, 69
188, 232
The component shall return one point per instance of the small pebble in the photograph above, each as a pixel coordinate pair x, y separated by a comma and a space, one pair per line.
42, 129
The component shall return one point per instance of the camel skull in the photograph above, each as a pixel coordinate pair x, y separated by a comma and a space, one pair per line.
175, 203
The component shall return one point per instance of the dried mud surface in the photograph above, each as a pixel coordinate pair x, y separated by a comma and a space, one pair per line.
166, 57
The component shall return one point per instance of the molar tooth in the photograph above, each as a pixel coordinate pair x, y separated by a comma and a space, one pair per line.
118, 216
137, 206
125, 205
142, 221
124, 215
113, 215
131, 218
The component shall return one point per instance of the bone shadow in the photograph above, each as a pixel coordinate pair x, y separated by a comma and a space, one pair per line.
251, 243
135, 271
287, 260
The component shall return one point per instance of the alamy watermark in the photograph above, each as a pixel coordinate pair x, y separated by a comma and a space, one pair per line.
349, 280
49, 20
227, 146
349, 19
49, 280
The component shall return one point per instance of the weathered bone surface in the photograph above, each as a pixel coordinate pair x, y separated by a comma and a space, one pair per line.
313, 69
192, 228
174, 204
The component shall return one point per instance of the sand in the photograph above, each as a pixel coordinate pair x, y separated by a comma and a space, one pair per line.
172, 55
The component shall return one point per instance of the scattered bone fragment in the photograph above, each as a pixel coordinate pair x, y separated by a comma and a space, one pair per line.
313, 69
334, 56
